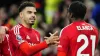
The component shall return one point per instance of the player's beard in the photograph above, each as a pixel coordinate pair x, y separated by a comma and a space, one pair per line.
32, 20
32, 23
29, 23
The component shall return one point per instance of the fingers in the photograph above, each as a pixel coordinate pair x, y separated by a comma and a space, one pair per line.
0, 40
6, 29
2, 33
53, 33
2, 37
2, 30
46, 37
56, 43
56, 38
53, 39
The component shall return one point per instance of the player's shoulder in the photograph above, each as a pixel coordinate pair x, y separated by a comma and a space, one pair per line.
16, 29
68, 27
94, 27
35, 30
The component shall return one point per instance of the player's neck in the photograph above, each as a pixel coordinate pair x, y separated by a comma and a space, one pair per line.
78, 19
26, 25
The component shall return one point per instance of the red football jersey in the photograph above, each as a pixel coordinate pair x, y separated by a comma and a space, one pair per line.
78, 39
0, 49
4, 47
19, 33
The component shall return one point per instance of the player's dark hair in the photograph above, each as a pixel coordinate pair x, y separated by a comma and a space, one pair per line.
78, 0
25, 4
78, 9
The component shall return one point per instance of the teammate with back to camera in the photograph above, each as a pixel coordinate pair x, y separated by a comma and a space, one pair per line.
79, 38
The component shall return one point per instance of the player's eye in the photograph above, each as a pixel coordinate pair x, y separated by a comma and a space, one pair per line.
35, 12
29, 12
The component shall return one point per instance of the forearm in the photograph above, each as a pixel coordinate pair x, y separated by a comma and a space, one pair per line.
27, 49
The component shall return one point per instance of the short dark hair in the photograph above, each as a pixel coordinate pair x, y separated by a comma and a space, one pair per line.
78, 0
25, 4
78, 9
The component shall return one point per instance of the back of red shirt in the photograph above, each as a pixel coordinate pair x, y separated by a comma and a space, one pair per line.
78, 39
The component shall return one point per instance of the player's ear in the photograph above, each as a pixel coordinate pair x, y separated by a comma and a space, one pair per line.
70, 15
21, 14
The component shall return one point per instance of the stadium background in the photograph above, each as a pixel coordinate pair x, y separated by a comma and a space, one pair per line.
51, 16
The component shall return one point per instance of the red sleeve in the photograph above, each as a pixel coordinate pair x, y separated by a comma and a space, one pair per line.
29, 50
5, 48
60, 53
64, 43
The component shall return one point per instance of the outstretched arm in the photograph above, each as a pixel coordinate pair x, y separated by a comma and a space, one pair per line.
29, 50
3, 31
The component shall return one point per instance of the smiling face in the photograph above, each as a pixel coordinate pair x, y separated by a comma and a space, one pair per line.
28, 15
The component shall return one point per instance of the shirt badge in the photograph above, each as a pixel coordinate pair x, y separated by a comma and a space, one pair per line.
18, 37
27, 37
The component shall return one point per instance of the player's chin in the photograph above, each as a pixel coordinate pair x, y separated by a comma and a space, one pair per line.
32, 23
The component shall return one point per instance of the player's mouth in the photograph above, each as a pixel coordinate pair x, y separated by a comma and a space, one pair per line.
32, 19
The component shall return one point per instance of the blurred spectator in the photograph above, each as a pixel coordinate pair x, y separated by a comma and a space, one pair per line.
13, 14
13, 9
51, 7
97, 53
96, 13
90, 5
3, 15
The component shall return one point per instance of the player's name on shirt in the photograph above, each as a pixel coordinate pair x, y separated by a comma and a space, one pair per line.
84, 27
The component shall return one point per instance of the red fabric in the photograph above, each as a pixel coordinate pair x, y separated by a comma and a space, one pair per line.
69, 38
0, 49
31, 36
4, 48
61, 54
27, 49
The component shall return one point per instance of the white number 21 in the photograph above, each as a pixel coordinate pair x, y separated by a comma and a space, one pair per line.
84, 46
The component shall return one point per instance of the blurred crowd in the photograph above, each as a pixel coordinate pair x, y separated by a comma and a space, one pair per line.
51, 17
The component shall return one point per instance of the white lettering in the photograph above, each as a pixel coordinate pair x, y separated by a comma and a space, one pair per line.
84, 27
